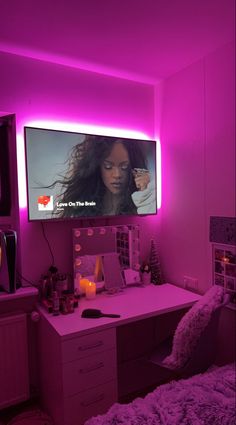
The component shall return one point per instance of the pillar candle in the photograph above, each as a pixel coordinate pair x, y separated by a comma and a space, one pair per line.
90, 290
82, 285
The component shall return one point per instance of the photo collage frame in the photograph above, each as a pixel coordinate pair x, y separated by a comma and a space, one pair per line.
224, 269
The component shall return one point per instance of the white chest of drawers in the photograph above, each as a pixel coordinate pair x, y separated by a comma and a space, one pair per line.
78, 357
77, 374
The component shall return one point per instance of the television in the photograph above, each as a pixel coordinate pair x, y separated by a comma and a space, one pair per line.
73, 175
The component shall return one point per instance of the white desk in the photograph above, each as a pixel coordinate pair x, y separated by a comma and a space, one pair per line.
78, 357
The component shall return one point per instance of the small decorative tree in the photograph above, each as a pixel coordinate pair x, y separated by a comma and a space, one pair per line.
155, 264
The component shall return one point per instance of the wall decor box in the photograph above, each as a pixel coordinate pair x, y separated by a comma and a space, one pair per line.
223, 230
224, 269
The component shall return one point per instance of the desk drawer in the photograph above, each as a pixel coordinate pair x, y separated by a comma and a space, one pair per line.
90, 403
89, 372
83, 346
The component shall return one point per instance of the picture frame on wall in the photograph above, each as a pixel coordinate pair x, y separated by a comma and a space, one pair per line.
224, 269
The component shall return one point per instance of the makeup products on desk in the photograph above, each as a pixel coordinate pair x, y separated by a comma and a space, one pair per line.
57, 298
50, 282
55, 304
68, 303
64, 304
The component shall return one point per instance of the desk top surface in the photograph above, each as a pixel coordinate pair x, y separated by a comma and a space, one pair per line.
23, 292
132, 304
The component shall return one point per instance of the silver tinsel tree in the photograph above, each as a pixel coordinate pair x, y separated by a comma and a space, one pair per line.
155, 264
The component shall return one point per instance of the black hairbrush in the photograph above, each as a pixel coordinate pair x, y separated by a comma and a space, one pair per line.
93, 313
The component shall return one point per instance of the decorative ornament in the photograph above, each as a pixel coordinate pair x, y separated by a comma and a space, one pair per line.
155, 264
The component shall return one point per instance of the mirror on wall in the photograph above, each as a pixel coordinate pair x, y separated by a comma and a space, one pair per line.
101, 254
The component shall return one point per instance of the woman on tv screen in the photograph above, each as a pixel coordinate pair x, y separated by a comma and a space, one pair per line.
106, 177
73, 175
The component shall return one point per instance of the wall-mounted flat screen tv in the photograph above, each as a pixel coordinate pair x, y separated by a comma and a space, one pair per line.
73, 175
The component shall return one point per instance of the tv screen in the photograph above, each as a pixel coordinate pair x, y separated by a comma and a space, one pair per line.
73, 175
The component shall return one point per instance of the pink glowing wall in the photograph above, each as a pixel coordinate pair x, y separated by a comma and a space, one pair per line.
197, 129
195, 120
36, 90
195, 115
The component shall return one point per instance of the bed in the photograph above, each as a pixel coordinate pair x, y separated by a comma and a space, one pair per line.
204, 399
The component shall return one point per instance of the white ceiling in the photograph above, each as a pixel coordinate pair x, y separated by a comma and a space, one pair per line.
143, 40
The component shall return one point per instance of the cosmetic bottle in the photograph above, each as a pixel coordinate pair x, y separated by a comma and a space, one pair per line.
55, 304
68, 302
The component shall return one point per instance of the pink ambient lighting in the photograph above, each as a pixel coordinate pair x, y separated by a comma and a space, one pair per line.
158, 167
82, 128
87, 128
21, 171
67, 60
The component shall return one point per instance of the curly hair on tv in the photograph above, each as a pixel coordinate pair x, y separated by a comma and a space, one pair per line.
83, 180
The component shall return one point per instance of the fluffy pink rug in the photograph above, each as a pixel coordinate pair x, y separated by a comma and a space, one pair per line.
205, 399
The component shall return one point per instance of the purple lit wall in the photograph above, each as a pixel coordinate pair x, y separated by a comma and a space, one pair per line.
197, 130
195, 122
36, 90
195, 118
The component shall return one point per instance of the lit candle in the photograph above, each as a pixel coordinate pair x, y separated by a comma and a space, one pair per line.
82, 285
90, 290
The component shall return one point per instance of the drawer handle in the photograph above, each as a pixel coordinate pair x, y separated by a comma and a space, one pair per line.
92, 368
95, 400
89, 347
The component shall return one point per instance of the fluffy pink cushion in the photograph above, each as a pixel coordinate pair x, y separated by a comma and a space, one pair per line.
191, 326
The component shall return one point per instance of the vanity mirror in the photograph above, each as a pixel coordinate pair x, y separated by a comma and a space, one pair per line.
102, 254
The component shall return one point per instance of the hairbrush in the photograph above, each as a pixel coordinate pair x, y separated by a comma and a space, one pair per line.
93, 313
